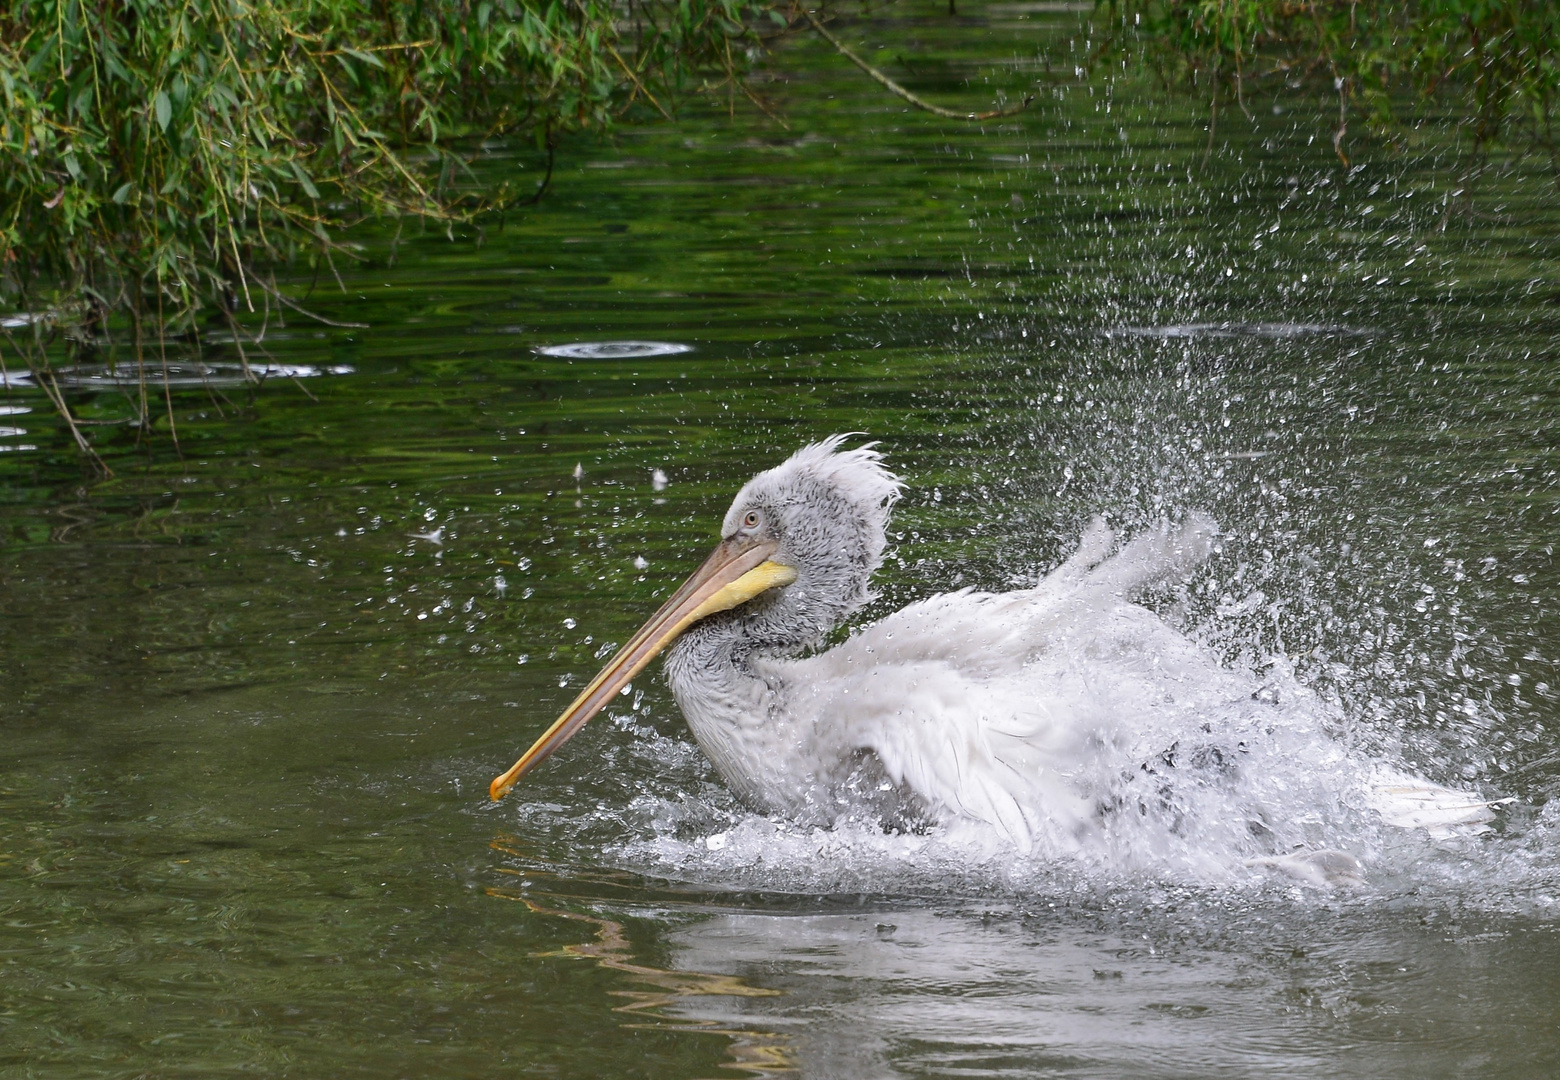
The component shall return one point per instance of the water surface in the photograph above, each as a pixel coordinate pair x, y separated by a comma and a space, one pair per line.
255, 689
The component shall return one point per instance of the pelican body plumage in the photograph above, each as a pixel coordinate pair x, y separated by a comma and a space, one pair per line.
1040, 715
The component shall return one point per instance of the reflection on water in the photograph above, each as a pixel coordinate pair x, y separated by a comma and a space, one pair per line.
1199, 987
761, 1053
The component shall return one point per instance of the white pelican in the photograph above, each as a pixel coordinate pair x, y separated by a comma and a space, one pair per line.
1046, 714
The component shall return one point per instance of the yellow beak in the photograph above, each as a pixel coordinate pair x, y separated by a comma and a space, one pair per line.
736, 571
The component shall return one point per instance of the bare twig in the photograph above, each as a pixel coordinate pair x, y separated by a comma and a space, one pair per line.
243, 357
43, 374
763, 108
639, 87
305, 389
894, 88
274, 291
162, 351
552, 150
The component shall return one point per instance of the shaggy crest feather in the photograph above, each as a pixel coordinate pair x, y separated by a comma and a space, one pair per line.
858, 476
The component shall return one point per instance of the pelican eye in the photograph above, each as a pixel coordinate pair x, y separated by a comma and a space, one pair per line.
751, 519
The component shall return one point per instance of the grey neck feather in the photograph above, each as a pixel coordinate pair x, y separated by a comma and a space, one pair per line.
827, 509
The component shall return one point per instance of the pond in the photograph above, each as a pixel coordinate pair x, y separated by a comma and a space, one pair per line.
255, 689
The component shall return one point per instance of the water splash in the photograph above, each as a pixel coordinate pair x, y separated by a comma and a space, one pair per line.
1276, 330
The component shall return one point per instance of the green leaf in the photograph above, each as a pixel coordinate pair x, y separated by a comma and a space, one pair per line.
367, 58
163, 108
304, 181
122, 195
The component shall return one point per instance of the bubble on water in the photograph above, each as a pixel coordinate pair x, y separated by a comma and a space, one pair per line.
569, 624
614, 350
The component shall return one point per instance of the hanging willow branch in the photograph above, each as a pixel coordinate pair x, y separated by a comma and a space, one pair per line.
894, 88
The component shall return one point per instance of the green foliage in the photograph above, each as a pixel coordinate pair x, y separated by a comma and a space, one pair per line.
157, 157
1493, 61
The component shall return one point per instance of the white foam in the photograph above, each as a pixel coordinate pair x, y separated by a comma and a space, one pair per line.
1288, 787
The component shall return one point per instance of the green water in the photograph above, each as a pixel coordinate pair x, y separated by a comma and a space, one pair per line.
249, 713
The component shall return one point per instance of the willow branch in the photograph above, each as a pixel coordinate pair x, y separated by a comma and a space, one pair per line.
306, 312
894, 88
638, 86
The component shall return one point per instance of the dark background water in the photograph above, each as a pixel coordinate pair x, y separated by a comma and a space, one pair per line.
250, 713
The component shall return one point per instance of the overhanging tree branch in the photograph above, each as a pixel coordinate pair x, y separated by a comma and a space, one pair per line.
894, 88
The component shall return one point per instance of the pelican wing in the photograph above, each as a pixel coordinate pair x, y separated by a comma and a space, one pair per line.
1408, 802
995, 707
976, 747
986, 633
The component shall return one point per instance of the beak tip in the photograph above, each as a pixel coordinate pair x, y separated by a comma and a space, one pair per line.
728, 577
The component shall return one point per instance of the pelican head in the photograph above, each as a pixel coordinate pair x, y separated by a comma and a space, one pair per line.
796, 555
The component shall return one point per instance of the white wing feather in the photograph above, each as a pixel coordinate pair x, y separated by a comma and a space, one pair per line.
931, 690
1410, 802
1020, 709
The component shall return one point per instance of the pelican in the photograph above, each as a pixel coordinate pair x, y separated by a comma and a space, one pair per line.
1065, 717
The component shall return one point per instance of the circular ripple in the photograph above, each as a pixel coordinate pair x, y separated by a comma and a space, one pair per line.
614, 350
192, 374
